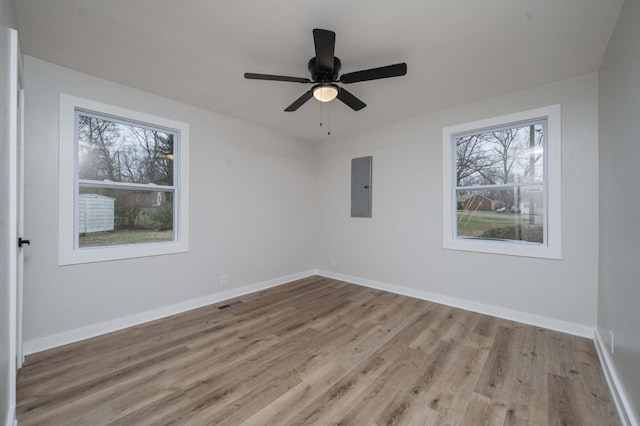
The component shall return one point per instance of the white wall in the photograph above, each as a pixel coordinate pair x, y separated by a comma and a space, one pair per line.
619, 282
7, 20
251, 211
402, 243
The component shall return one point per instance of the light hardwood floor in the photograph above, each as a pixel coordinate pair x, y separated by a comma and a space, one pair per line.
320, 351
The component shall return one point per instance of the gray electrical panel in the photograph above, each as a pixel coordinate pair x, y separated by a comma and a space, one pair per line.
361, 187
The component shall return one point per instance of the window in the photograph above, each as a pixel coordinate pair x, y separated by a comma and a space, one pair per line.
502, 184
123, 183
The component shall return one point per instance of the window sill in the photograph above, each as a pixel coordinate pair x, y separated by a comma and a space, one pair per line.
509, 248
104, 254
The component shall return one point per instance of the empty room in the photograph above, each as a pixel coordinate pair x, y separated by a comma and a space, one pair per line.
318, 213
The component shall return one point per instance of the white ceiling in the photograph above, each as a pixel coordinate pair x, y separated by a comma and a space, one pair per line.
197, 51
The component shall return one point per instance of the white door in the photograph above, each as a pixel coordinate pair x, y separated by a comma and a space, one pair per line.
16, 163
22, 242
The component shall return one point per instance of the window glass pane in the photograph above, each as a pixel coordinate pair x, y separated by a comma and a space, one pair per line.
123, 152
515, 213
500, 156
108, 217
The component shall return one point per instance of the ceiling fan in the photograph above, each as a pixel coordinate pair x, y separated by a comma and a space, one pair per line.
324, 69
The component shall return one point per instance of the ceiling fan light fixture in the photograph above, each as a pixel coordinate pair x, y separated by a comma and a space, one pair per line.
325, 92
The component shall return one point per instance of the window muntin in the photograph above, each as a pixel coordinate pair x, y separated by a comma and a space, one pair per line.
125, 175
499, 172
539, 187
146, 192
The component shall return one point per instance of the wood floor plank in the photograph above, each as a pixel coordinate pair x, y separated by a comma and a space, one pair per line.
451, 397
379, 398
495, 379
563, 404
318, 381
219, 387
482, 411
333, 404
382, 403
436, 329
319, 351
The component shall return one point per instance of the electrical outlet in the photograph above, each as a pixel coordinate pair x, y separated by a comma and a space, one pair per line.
223, 280
333, 263
611, 341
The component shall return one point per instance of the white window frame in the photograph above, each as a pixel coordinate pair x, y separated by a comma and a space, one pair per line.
68, 252
551, 248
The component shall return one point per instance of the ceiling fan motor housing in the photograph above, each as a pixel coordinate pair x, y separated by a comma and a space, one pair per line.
324, 75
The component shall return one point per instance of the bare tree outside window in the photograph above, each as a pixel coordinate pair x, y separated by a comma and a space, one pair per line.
132, 165
500, 183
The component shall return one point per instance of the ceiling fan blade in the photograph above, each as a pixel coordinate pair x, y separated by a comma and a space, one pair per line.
395, 70
351, 101
253, 76
325, 42
300, 101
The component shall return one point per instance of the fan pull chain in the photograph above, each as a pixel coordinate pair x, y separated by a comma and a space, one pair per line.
328, 117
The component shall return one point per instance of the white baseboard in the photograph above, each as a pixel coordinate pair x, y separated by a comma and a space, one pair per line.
496, 311
617, 390
71, 336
